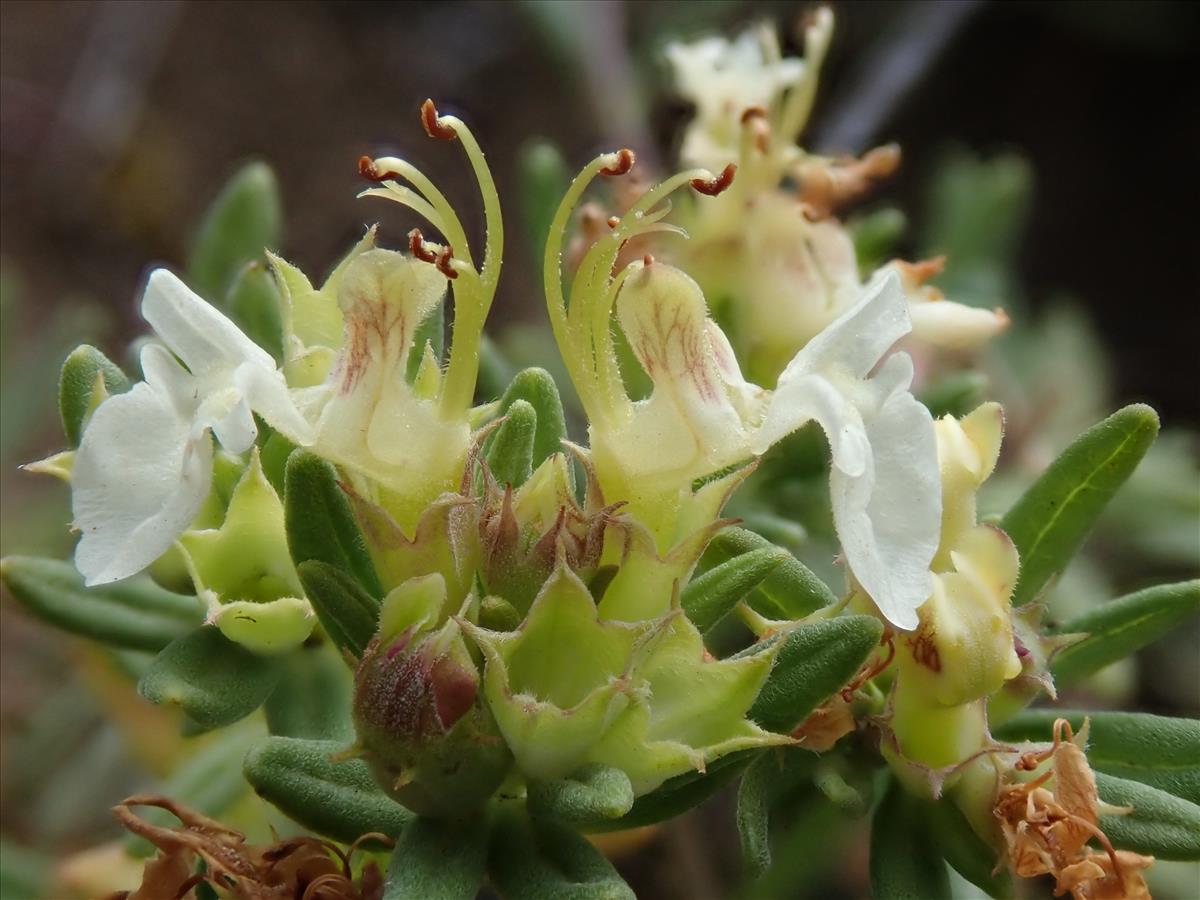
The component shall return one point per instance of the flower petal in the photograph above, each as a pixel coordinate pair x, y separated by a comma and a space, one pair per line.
140, 477
193, 329
267, 394
802, 400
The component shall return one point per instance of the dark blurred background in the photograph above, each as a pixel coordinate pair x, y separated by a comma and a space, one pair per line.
119, 121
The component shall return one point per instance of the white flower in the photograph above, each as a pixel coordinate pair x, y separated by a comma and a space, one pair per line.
885, 483
144, 465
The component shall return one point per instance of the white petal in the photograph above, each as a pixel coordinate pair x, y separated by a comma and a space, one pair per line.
170, 380
954, 326
888, 518
194, 330
228, 414
857, 339
800, 400
268, 395
140, 477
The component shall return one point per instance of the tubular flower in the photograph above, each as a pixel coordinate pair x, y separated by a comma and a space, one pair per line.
775, 251
144, 465
704, 417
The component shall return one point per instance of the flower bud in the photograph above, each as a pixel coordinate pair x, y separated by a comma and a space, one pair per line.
421, 722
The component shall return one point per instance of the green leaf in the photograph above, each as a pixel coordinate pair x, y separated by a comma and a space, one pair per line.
709, 597
541, 860
339, 800
313, 696
242, 222
791, 591
679, 794
905, 862
875, 235
320, 521
254, 304
135, 614
347, 613
1122, 627
1161, 752
955, 394
753, 814
544, 177
210, 782
537, 388
213, 680
1051, 519
24, 872
595, 793
1161, 824
436, 860
968, 854
815, 661
510, 455
77, 387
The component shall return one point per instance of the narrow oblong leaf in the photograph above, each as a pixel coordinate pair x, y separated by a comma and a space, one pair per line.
244, 219
77, 384
542, 860
347, 613
510, 455
313, 696
537, 388
1158, 751
135, 614
339, 800
905, 859
968, 854
815, 661
213, 680
1122, 627
791, 591
709, 597
677, 795
320, 522
1161, 824
436, 860
594, 793
753, 814
1051, 519
255, 305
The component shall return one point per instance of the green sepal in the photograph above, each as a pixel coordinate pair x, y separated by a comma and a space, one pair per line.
956, 394
254, 304
541, 860
320, 521
87, 377
709, 597
1161, 752
210, 782
791, 591
592, 794
1122, 627
679, 794
1051, 519
244, 219
510, 456
431, 331
437, 860
346, 612
1161, 824
497, 614
339, 800
537, 388
905, 862
313, 697
213, 680
135, 614
815, 661
968, 854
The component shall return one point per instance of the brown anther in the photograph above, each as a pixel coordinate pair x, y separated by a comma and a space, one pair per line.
433, 124
369, 170
443, 262
647, 260
418, 248
614, 221
753, 112
713, 186
625, 160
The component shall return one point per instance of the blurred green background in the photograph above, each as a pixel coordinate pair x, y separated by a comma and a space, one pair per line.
1050, 149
